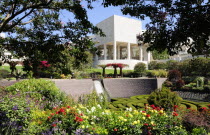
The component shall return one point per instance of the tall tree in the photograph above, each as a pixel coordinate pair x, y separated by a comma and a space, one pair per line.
174, 23
37, 30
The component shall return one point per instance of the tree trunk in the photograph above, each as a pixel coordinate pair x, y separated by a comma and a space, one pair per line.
104, 71
115, 72
121, 74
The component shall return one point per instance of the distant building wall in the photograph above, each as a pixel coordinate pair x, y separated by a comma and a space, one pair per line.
126, 29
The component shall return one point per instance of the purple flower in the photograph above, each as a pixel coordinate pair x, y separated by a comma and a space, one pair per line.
15, 108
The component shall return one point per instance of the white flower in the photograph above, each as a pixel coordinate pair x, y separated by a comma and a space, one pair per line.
93, 109
129, 109
99, 106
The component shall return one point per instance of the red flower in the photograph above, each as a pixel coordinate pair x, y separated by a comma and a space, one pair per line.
145, 124
78, 119
175, 106
52, 114
49, 118
175, 114
54, 125
115, 129
153, 106
147, 115
68, 106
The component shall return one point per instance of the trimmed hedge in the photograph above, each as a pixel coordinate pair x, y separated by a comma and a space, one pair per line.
139, 101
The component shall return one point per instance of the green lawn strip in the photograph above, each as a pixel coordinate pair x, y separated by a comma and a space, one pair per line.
108, 71
8, 68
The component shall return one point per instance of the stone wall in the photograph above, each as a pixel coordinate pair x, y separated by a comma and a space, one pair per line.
129, 87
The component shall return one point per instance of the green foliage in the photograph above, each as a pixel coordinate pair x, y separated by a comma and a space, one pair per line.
156, 65
39, 89
199, 66
15, 112
199, 81
172, 64
160, 55
185, 68
140, 68
152, 65
164, 98
157, 73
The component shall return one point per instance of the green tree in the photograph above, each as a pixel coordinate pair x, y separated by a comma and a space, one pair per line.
174, 23
37, 32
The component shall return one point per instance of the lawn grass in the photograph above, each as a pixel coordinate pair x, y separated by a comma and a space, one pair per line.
108, 71
8, 69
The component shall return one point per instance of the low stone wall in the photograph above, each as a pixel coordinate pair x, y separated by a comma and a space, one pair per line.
129, 87
193, 95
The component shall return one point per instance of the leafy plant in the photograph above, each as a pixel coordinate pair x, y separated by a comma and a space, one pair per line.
164, 98
140, 68
39, 89
174, 75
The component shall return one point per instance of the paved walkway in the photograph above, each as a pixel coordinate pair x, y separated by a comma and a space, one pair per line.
74, 87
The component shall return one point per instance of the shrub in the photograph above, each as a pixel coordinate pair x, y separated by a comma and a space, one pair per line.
194, 119
162, 73
156, 73
174, 75
206, 87
161, 65
39, 89
172, 64
199, 81
184, 68
152, 65
15, 114
168, 83
164, 98
140, 68
199, 66
180, 84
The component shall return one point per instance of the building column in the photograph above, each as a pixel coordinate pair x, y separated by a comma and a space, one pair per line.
129, 51
118, 52
148, 56
105, 52
141, 53
115, 50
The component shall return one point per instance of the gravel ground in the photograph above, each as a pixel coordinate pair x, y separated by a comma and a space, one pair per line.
5, 83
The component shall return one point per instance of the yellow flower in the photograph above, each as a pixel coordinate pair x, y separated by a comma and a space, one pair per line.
161, 111
144, 114
135, 112
125, 119
120, 117
134, 123
130, 115
82, 126
143, 118
138, 121
152, 122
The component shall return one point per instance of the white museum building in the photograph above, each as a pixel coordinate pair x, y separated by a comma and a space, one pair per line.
120, 45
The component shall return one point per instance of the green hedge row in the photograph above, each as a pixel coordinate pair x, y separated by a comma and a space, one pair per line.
139, 101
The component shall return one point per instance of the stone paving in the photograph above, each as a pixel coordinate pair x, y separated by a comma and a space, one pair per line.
73, 87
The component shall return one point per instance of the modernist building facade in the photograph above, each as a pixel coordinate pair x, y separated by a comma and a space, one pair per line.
120, 45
